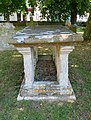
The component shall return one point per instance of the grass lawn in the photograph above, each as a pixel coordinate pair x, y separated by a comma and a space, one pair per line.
80, 29
11, 75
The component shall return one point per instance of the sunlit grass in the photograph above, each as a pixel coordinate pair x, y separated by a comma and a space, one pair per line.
80, 29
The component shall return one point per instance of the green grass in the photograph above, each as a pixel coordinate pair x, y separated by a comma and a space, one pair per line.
80, 29
11, 75
18, 28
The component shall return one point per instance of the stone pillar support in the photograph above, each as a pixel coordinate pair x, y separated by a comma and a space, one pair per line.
27, 53
36, 53
62, 53
54, 53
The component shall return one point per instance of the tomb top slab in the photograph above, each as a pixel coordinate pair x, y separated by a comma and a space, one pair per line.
46, 34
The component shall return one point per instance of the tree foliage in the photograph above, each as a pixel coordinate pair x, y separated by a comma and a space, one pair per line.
57, 9
7, 7
32, 3
54, 9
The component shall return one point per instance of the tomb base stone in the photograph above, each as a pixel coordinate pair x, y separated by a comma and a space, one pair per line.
45, 90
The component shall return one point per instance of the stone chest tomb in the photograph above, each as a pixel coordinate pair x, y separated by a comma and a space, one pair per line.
57, 42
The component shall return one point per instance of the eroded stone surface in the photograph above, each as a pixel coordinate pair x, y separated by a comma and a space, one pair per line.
47, 91
6, 33
48, 33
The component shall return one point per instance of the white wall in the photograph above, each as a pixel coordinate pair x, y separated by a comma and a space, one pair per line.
37, 14
82, 18
13, 17
1, 18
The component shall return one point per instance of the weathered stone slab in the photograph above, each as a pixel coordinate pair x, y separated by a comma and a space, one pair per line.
47, 91
46, 34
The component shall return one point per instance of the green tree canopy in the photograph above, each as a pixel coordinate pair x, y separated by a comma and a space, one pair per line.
54, 9
32, 2
57, 9
7, 7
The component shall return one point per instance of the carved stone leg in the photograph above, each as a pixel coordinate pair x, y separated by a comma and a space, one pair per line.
28, 66
54, 52
57, 59
62, 65
36, 53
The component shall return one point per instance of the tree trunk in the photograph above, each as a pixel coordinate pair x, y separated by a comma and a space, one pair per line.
87, 32
24, 17
19, 17
73, 17
73, 12
6, 17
